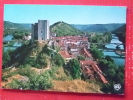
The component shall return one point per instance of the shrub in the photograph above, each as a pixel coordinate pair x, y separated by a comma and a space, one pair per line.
58, 60
16, 84
40, 82
4, 77
25, 70
42, 60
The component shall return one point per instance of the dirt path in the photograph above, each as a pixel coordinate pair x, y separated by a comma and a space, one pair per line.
39, 71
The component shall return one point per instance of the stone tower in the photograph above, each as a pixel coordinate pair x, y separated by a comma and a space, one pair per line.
40, 30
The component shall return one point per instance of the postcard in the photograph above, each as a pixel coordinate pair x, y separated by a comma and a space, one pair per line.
64, 48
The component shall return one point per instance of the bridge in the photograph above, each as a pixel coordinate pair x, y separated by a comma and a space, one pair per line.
109, 43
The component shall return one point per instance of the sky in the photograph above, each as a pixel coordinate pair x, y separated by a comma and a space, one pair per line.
71, 14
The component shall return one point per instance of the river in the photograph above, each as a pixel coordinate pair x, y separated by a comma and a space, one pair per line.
117, 59
9, 38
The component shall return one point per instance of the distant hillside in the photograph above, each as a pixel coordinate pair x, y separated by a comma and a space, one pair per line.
98, 27
62, 29
121, 33
10, 25
81, 27
113, 26
121, 29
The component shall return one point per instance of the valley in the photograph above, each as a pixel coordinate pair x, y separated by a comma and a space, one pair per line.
70, 57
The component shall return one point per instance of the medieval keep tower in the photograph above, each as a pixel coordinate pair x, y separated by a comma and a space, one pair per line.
40, 30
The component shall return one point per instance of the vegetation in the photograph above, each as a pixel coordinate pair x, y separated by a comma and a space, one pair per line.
58, 60
31, 61
63, 29
98, 27
121, 33
74, 69
32, 80
42, 60
6, 58
40, 82
101, 39
80, 57
97, 54
113, 73
39, 67
10, 44
31, 55
11, 28
18, 35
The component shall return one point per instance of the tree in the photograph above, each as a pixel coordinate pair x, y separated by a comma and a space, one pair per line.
16, 84
97, 54
108, 58
74, 68
113, 73
40, 82
58, 60
35, 82
101, 38
46, 50
42, 60
103, 64
18, 35
80, 57
30, 60
6, 58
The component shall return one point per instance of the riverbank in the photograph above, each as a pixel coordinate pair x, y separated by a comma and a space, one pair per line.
117, 55
120, 52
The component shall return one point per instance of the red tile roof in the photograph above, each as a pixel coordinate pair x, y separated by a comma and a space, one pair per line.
95, 68
87, 53
65, 54
103, 78
88, 71
86, 62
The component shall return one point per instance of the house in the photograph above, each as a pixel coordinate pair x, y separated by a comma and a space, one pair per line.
92, 71
86, 54
66, 55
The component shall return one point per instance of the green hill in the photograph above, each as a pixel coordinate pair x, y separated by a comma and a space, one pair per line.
63, 29
10, 28
11, 25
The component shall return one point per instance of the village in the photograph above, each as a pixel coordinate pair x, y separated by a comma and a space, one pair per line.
73, 46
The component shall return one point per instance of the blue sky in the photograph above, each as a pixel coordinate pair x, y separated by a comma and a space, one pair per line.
68, 13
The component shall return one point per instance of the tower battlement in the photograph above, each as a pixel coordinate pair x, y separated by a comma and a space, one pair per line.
40, 30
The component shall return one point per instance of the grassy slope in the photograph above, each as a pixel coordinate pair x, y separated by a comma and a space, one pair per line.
61, 82
62, 29
67, 85
75, 86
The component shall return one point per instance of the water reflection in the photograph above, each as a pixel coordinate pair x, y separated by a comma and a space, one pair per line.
117, 58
